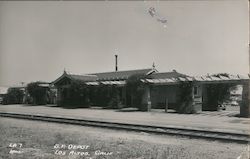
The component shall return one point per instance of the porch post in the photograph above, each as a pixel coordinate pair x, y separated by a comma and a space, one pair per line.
149, 99
59, 96
146, 98
204, 97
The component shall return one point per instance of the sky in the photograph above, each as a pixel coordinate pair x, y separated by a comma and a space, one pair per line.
39, 39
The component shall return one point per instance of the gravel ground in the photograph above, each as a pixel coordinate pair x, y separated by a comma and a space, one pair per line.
39, 140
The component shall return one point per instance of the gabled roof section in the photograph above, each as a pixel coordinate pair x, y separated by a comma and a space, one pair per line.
172, 74
84, 78
122, 75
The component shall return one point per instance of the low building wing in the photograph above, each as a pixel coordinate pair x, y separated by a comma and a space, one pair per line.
3, 90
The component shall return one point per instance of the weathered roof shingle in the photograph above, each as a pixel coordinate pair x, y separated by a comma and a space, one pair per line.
164, 75
83, 77
120, 75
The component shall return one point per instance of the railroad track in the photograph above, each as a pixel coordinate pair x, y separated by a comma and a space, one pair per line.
193, 133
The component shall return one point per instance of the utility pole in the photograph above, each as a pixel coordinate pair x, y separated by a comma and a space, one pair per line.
245, 104
248, 152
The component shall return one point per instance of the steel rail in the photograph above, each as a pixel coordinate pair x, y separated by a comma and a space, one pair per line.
186, 132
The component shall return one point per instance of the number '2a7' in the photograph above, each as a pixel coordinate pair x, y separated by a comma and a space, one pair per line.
15, 145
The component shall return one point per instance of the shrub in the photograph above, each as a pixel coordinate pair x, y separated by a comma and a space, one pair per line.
13, 96
104, 95
217, 93
185, 104
77, 94
135, 90
114, 98
99, 95
37, 93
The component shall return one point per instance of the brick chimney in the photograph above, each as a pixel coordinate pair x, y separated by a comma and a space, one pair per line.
116, 67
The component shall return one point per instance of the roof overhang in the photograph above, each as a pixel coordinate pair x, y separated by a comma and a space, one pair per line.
118, 83
199, 79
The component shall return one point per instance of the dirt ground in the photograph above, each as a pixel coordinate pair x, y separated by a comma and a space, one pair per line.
34, 139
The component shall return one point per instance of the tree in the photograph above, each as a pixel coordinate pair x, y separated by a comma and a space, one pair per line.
37, 93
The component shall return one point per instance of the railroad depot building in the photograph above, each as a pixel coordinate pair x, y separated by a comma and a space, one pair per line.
156, 96
160, 89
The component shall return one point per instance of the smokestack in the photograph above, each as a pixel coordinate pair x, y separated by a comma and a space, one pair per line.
116, 67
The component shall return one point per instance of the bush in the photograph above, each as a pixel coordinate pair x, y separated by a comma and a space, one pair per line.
76, 95
102, 95
185, 104
114, 99
13, 96
135, 90
37, 93
217, 93
105, 96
